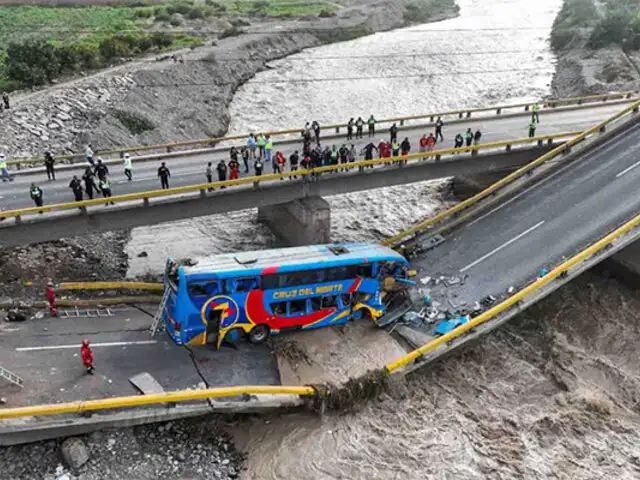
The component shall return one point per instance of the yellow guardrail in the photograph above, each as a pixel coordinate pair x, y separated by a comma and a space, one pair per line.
461, 113
109, 286
509, 178
514, 299
204, 187
153, 398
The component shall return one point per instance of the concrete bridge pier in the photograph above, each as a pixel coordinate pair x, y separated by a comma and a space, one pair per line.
300, 222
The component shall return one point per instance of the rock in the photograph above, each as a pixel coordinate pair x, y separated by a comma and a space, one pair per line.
143, 255
111, 442
74, 452
3, 401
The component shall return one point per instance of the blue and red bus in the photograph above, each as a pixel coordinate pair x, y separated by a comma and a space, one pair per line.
261, 293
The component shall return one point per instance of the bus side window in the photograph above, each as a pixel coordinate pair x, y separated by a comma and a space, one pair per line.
247, 284
279, 308
213, 288
316, 304
297, 307
346, 299
330, 301
364, 271
198, 290
230, 286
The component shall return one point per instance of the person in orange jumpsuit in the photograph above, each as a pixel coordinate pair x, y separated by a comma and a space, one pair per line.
87, 356
51, 298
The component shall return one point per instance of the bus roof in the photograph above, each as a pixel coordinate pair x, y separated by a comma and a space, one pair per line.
276, 260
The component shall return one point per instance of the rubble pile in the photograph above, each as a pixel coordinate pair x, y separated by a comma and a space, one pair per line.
60, 119
195, 449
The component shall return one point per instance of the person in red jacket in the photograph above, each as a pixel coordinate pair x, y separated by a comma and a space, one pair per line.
87, 356
234, 170
51, 298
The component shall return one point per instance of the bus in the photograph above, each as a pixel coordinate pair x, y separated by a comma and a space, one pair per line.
261, 293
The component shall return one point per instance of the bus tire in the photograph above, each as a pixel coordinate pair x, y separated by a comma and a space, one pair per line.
259, 334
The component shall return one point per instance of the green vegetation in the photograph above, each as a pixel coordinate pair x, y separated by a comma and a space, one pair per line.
133, 122
41, 43
579, 21
620, 25
423, 11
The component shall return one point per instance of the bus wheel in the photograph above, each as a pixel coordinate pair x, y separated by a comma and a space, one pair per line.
259, 334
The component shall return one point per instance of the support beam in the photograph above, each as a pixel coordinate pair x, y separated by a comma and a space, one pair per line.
301, 222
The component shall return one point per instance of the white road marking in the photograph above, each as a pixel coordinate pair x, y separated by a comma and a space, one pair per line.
628, 169
504, 245
77, 345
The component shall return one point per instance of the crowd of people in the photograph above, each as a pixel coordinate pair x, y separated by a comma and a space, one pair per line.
258, 151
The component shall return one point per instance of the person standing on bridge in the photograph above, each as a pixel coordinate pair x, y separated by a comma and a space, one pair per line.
51, 299
343, 153
532, 128
423, 144
76, 187
4, 172
251, 145
353, 154
260, 142
439, 125
468, 137
458, 141
371, 122
294, 159
258, 166
222, 171
89, 155
49, 161
359, 126
128, 166
101, 170
164, 174
535, 115
244, 153
87, 357
476, 137
316, 130
89, 182
368, 152
393, 133
431, 142
268, 152
36, 194
405, 148
395, 148
105, 187
234, 170
350, 129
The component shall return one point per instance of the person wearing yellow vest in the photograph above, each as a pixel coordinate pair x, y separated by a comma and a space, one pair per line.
128, 166
532, 128
260, 142
268, 149
536, 112
3, 169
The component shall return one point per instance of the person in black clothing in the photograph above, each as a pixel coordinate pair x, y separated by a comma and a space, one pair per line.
244, 152
316, 130
343, 153
48, 163
233, 154
76, 187
476, 137
89, 183
36, 194
468, 137
439, 124
5, 99
350, 129
393, 131
222, 171
368, 153
294, 158
258, 166
164, 174
459, 141
101, 170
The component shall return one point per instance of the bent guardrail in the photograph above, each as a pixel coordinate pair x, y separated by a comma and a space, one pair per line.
308, 391
459, 114
304, 175
109, 286
598, 128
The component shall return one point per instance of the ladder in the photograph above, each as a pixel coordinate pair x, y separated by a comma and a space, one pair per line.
13, 378
158, 316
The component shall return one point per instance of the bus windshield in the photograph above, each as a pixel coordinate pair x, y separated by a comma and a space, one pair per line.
262, 293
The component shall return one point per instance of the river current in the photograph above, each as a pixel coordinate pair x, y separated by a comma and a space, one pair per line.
551, 395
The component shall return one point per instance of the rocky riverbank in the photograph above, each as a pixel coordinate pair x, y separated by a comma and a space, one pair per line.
585, 67
158, 100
